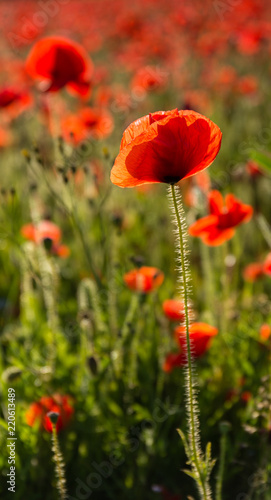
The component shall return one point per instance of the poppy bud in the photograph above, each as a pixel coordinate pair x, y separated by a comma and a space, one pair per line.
53, 416
137, 260
92, 364
48, 242
11, 374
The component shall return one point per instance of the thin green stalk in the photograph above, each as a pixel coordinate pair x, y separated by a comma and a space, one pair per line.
88, 300
265, 228
59, 465
47, 283
194, 439
113, 259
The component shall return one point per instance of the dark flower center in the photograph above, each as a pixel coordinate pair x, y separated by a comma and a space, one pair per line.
171, 179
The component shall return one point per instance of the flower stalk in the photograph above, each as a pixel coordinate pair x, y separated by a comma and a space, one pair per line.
57, 458
201, 467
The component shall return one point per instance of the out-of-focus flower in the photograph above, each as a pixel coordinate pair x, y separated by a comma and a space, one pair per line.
219, 226
174, 309
200, 334
253, 272
89, 122
265, 332
57, 403
147, 79
58, 62
248, 40
165, 146
247, 85
257, 270
253, 169
46, 231
14, 101
144, 280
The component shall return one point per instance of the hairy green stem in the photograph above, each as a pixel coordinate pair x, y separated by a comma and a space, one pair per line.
59, 465
191, 403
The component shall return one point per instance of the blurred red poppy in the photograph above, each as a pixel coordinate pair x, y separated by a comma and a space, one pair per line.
253, 169
265, 332
94, 122
148, 79
60, 62
247, 85
59, 404
46, 230
253, 272
14, 101
200, 335
218, 227
165, 146
144, 280
257, 270
174, 309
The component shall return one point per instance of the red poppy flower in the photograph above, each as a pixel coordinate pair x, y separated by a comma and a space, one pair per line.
253, 169
46, 230
173, 360
265, 332
174, 309
59, 404
144, 280
14, 101
218, 227
94, 122
247, 85
9, 96
165, 146
60, 62
148, 79
253, 272
200, 335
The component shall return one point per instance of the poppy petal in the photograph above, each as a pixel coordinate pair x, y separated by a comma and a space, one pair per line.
165, 147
